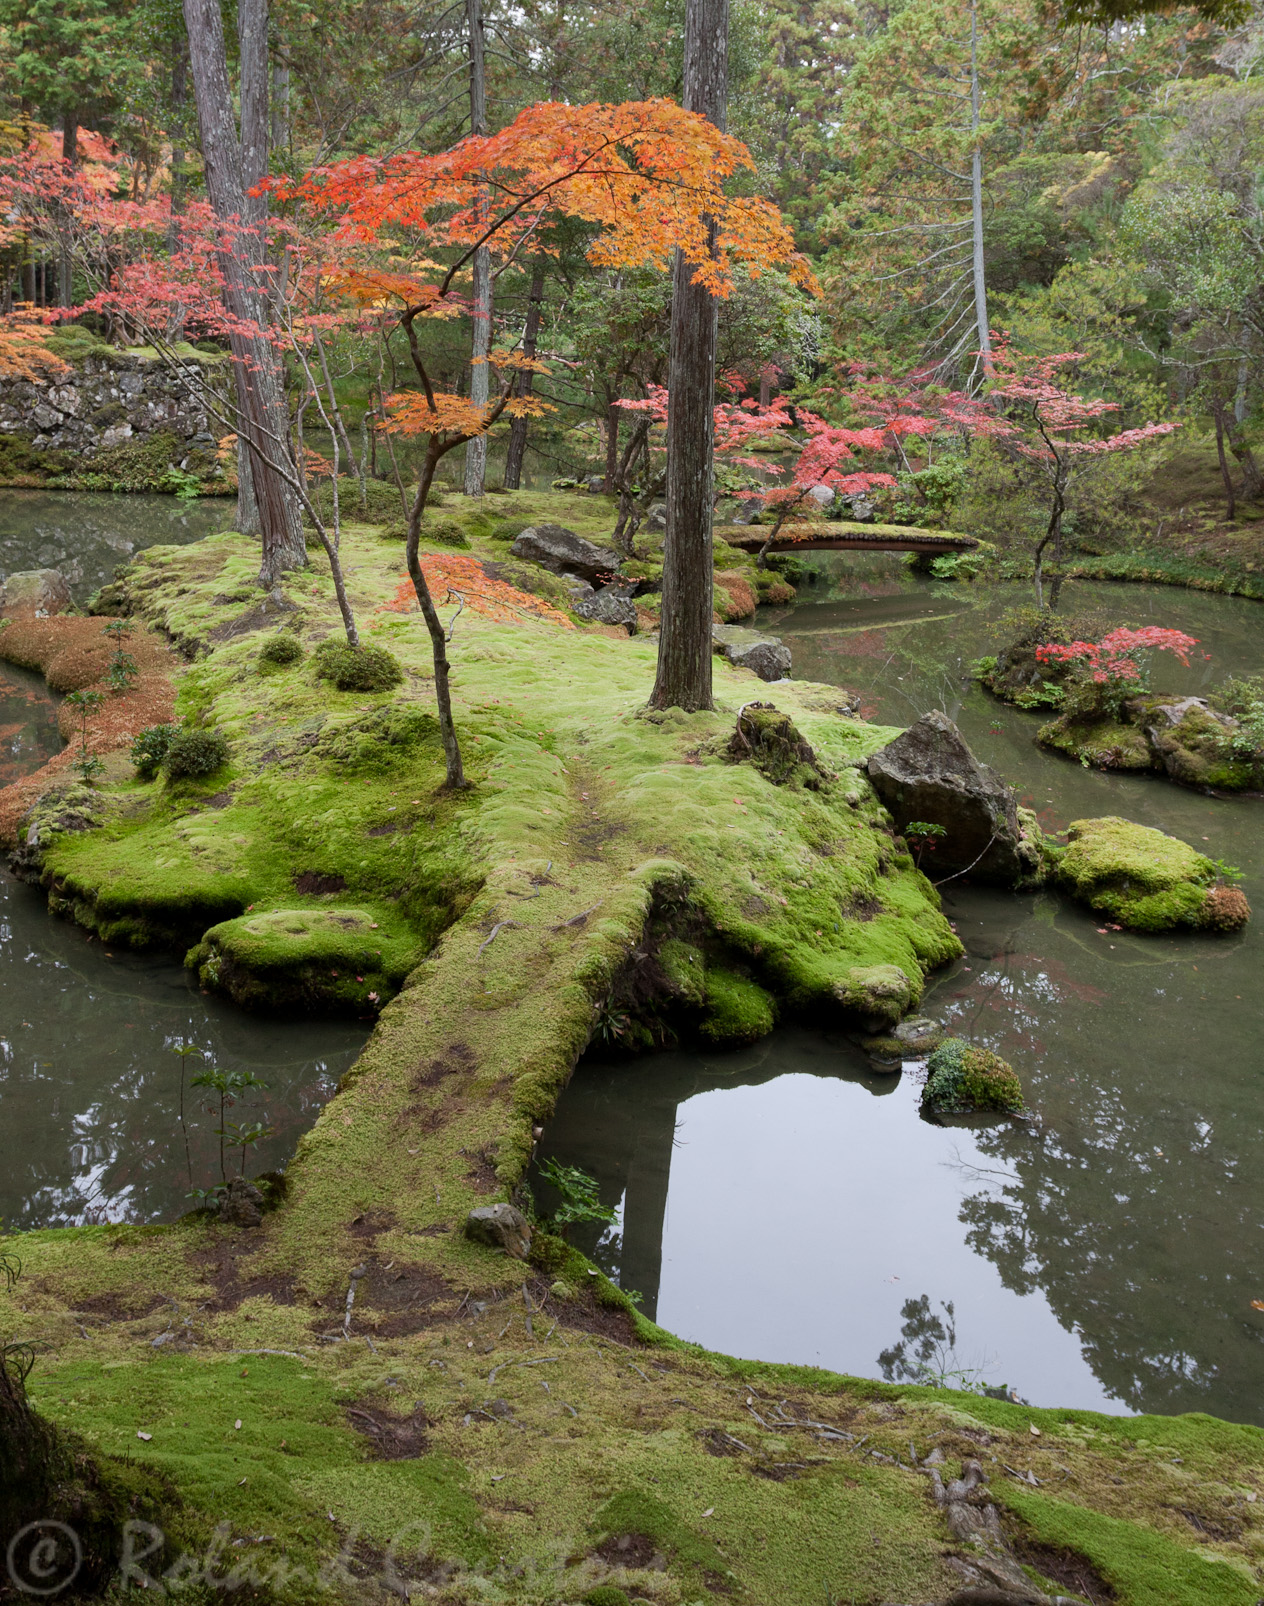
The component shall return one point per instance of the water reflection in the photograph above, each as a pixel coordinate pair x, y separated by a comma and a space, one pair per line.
774, 1207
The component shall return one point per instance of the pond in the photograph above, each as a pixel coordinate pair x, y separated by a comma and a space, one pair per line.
786, 1203
90, 1088
89, 534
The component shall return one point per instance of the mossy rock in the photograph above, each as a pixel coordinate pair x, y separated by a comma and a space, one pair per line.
739, 1011
1102, 744
963, 1079
773, 743
880, 994
685, 967
1142, 878
340, 961
357, 668
1198, 748
444, 532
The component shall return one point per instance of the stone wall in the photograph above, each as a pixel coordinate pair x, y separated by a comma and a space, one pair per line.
105, 401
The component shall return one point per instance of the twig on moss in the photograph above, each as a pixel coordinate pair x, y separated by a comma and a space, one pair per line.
496, 930
576, 920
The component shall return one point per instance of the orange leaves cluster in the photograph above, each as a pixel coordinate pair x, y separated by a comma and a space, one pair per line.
23, 352
411, 412
455, 573
647, 173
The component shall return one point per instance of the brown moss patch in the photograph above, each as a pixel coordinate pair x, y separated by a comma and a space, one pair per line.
1066, 1567
391, 1437
316, 883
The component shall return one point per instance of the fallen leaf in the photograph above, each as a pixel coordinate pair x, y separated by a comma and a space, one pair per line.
1034, 1431
237, 1423
1257, 1304
709, 1512
145, 1436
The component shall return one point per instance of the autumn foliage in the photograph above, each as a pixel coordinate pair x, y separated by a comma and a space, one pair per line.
1111, 660
464, 578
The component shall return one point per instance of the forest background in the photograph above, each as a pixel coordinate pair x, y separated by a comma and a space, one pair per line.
1119, 218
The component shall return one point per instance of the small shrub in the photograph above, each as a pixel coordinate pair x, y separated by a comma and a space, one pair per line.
445, 532
150, 748
281, 649
963, 1079
362, 669
192, 753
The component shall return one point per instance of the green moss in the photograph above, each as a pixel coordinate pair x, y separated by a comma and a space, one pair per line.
963, 1079
637, 1512
357, 669
1135, 874
881, 994
340, 960
738, 1010
1143, 1567
685, 967
281, 651
192, 754
606, 1595
1107, 744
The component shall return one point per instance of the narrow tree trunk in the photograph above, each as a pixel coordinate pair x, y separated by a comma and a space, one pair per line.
280, 107
480, 375
1230, 495
65, 265
518, 429
179, 177
976, 197
1053, 533
612, 446
684, 648
455, 776
1252, 483
263, 415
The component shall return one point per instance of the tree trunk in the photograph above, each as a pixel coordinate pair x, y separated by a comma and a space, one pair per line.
65, 265
1217, 411
518, 429
263, 418
612, 446
976, 198
455, 776
1252, 483
684, 648
1053, 532
480, 375
280, 107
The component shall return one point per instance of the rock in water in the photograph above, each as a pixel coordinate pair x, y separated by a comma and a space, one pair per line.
612, 605
560, 550
501, 1226
766, 656
34, 593
930, 774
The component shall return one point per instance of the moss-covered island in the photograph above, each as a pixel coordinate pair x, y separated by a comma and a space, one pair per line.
353, 1401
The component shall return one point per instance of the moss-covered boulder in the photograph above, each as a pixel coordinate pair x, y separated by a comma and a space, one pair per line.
738, 1010
770, 740
879, 994
1145, 879
963, 1079
340, 961
1195, 744
1101, 744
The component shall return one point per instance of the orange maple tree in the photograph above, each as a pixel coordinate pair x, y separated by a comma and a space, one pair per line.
468, 581
647, 176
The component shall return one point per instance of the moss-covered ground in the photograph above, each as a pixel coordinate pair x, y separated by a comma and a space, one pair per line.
470, 1427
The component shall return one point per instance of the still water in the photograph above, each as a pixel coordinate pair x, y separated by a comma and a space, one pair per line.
787, 1203
90, 1090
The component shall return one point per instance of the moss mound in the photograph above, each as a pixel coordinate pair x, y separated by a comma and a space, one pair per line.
963, 1079
280, 651
770, 740
738, 1010
357, 668
340, 961
1145, 879
1101, 744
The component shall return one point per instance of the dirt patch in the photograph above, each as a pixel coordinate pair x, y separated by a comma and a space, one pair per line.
261, 617
371, 1223
1223, 1527
1066, 1567
393, 1438
457, 1060
631, 1550
388, 829
862, 908
119, 1307
715, 1441
395, 1301
481, 1172
585, 1314
315, 883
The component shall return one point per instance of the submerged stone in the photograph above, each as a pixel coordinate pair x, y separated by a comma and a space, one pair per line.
964, 1079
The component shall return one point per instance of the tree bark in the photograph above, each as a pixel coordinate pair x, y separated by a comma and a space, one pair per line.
1217, 411
263, 418
455, 771
976, 198
480, 376
65, 264
518, 429
612, 445
684, 648
1252, 483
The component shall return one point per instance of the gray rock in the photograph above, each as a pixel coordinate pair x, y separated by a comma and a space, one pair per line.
561, 551
822, 495
501, 1226
612, 605
749, 510
656, 517
930, 774
596, 484
37, 592
860, 508
919, 1035
241, 1204
766, 656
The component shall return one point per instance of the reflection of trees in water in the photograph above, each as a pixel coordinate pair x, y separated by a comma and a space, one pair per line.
1134, 1224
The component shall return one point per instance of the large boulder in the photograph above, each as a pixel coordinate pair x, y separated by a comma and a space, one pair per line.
563, 552
929, 774
34, 593
765, 656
